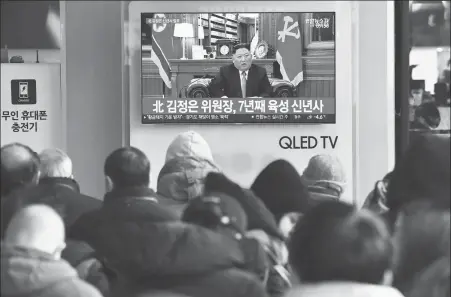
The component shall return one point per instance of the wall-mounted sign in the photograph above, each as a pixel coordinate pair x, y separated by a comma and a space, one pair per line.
23, 91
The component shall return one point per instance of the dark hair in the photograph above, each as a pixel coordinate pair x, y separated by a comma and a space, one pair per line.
282, 189
335, 242
421, 237
241, 45
376, 200
128, 167
20, 167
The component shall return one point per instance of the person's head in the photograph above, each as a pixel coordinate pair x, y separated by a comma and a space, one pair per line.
242, 56
336, 242
55, 163
20, 167
376, 200
434, 281
189, 144
421, 236
217, 211
127, 167
281, 189
325, 171
37, 227
422, 173
259, 217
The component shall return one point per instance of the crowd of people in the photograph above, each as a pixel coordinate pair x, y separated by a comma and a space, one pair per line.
203, 234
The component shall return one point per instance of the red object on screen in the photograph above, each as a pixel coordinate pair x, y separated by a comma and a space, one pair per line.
289, 47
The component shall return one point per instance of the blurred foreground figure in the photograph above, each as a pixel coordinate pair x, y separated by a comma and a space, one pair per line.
339, 251
31, 264
433, 281
421, 238
58, 189
423, 173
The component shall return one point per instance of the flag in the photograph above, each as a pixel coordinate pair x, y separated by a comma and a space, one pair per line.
289, 47
254, 43
162, 48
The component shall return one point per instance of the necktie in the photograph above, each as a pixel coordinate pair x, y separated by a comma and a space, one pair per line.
243, 83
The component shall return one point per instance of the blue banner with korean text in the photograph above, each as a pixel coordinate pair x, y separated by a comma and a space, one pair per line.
238, 110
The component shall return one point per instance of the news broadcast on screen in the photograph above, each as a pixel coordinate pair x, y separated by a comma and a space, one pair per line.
238, 68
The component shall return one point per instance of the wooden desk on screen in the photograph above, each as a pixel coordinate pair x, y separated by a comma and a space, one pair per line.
185, 70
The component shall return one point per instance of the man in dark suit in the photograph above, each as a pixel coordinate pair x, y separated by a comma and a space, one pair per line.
241, 79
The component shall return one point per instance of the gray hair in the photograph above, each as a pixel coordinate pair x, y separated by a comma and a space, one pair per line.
55, 163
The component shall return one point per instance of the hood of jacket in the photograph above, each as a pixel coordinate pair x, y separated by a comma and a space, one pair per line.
343, 289
189, 144
182, 179
24, 271
157, 251
323, 192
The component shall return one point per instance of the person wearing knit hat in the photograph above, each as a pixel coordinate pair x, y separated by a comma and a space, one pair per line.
281, 189
325, 178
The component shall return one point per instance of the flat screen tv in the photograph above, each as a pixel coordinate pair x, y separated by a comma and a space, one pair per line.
238, 67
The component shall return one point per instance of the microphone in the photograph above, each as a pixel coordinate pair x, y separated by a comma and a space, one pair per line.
191, 82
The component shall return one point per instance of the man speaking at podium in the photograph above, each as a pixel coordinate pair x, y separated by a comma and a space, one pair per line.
241, 79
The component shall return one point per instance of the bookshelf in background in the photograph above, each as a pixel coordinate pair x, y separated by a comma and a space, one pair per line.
219, 26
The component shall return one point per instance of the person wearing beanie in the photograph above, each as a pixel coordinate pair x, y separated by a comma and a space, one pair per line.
325, 178
188, 161
422, 173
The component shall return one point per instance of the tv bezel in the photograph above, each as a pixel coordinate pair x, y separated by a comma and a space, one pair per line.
199, 7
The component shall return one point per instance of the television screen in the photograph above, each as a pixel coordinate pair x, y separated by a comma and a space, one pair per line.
238, 68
